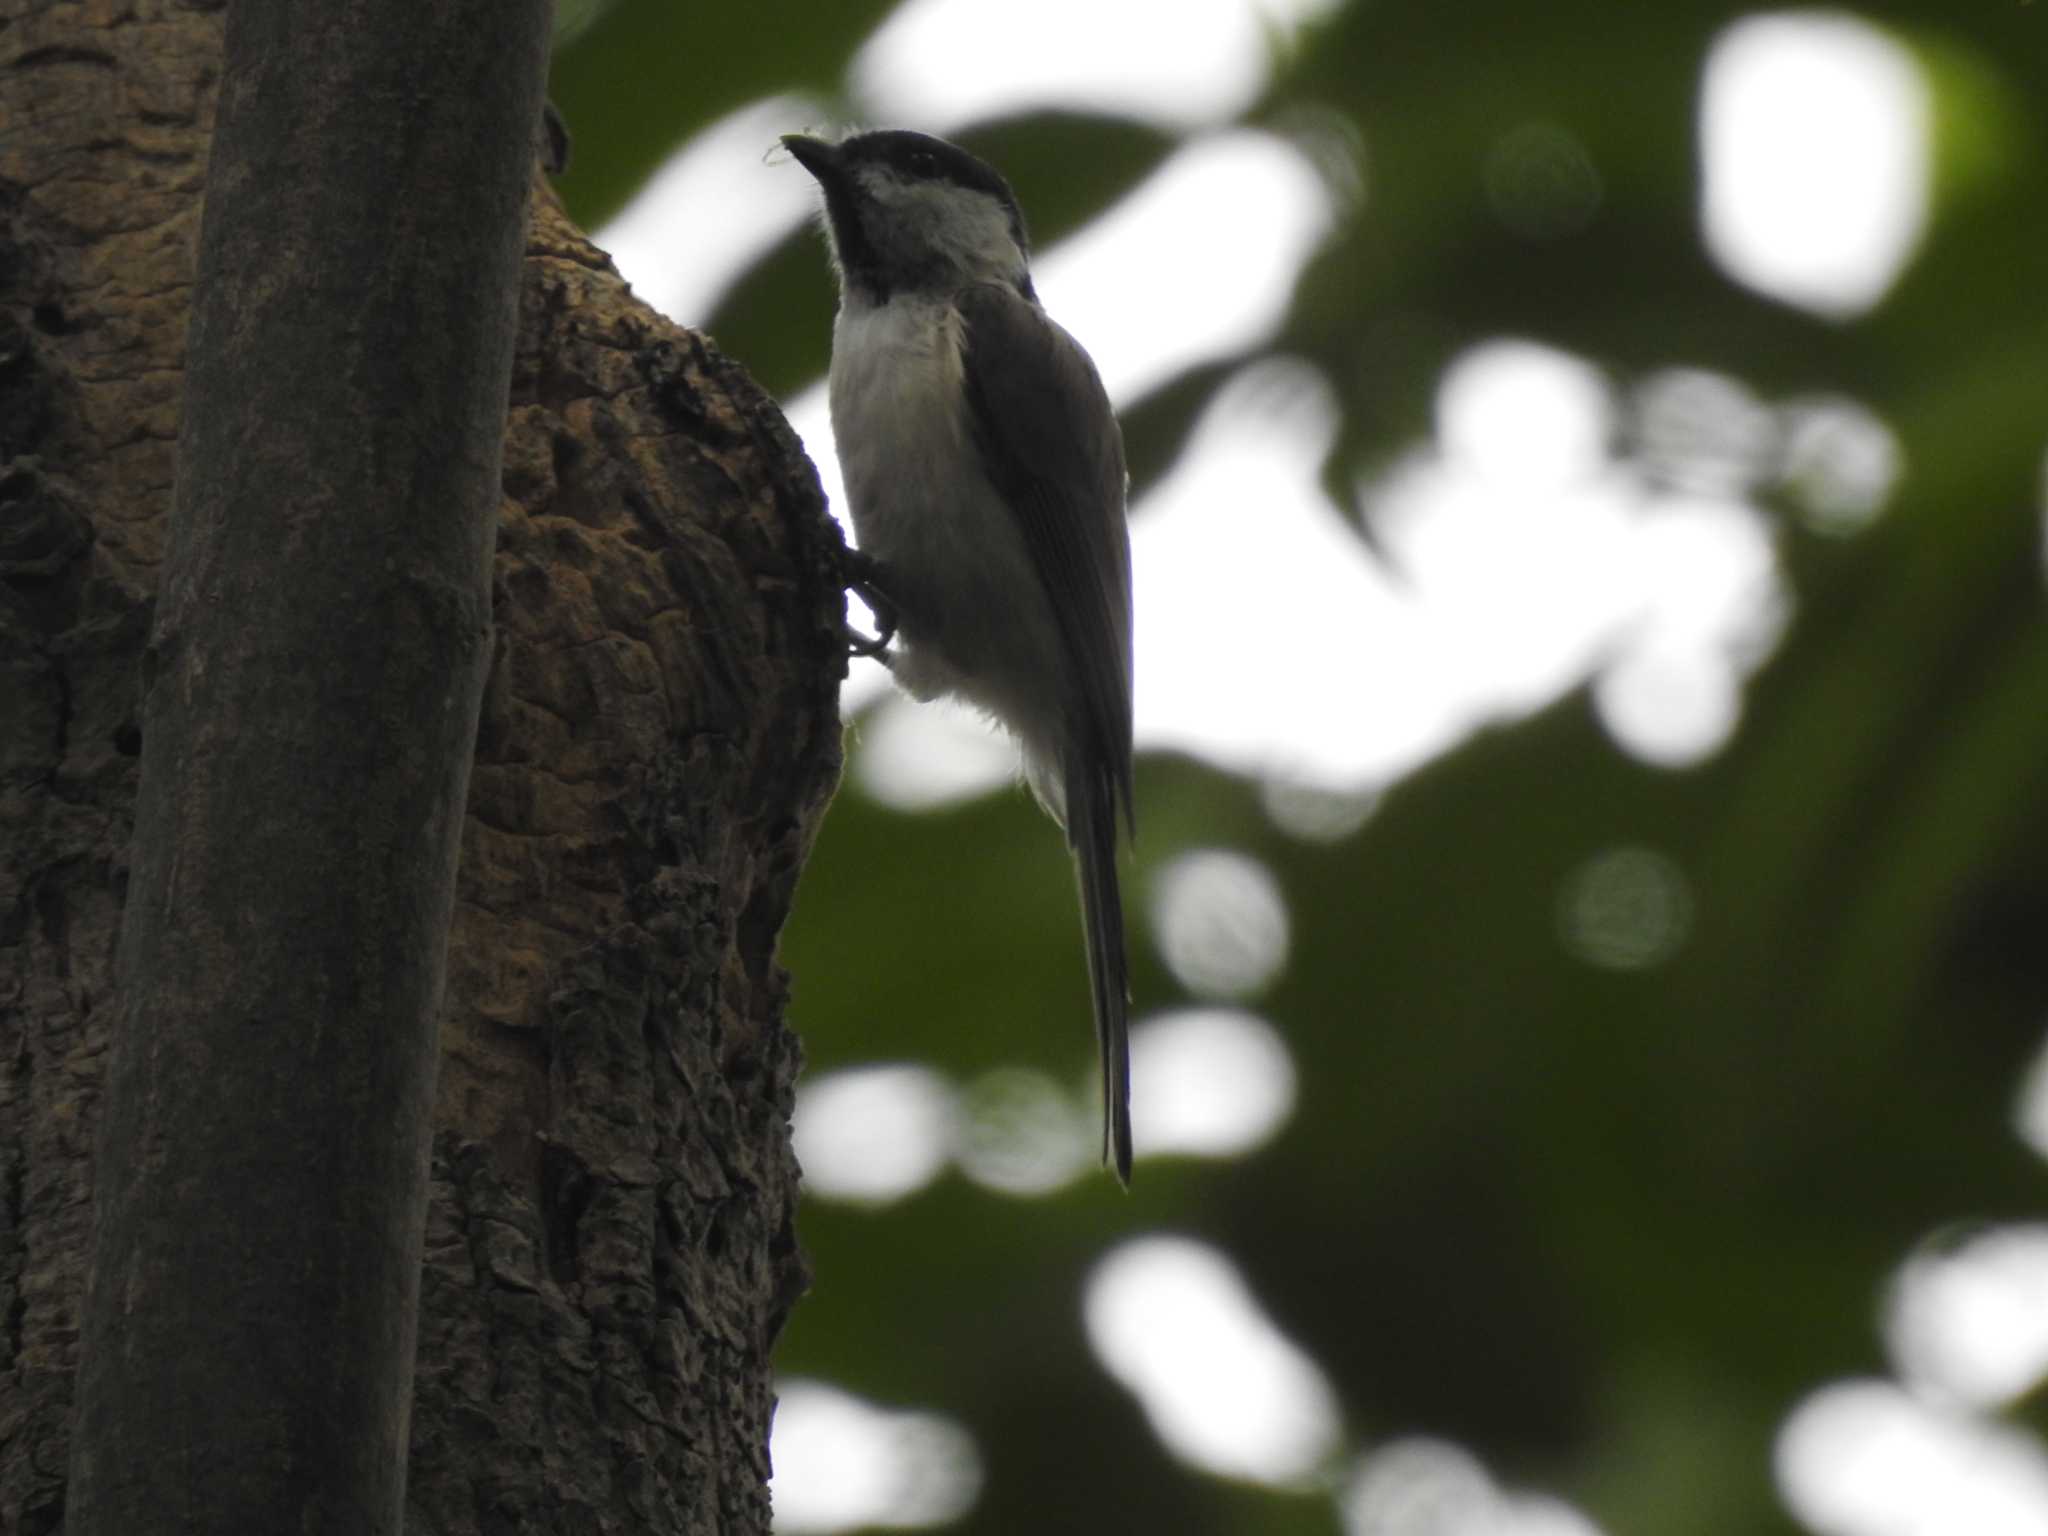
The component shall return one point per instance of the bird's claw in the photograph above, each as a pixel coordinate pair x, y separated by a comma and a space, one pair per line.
863, 576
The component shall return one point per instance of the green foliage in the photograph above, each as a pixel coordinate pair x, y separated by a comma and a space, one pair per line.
1606, 1227
642, 76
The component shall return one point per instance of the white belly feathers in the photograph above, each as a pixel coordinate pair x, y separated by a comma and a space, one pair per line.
974, 619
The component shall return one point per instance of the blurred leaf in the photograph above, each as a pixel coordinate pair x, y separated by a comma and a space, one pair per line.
1979, 130
778, 317
1068, 167
637, 82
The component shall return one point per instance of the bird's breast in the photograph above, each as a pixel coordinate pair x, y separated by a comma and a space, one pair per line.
974, 616
899, 413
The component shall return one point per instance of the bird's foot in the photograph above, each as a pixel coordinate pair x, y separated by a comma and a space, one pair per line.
865, 578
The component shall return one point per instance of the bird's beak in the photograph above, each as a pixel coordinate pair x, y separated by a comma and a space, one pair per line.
817, 156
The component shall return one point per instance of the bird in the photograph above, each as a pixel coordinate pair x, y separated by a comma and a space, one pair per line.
985, 478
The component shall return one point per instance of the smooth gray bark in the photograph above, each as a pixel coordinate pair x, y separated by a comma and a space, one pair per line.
320, 643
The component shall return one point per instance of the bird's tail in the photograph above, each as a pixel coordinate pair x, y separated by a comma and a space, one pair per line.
1092, 831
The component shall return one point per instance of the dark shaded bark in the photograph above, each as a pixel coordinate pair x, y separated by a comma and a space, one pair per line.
609, 1240
312, 683
611, 1243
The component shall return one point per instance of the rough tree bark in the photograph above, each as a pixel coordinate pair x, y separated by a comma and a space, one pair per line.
609, 1250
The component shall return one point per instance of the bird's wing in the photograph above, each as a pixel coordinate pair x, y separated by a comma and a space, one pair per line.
1052, 448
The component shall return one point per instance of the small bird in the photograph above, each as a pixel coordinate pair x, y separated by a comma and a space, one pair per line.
985, 474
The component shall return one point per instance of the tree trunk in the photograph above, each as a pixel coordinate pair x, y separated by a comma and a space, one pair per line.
608, 1249
311, 688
